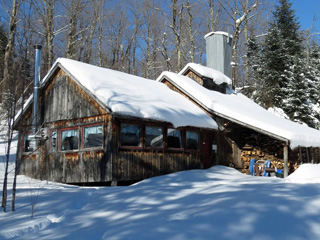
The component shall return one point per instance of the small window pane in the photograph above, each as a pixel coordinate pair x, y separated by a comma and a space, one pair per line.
53, 141
69, 139
130, 135
192, 140
29, 144
93, 136
154, 137
174, 138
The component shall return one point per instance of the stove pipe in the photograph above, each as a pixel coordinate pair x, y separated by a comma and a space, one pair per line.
36, 87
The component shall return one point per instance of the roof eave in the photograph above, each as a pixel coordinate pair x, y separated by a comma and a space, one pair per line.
287, 141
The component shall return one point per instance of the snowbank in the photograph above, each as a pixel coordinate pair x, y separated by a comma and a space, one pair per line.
306, 173
196, 204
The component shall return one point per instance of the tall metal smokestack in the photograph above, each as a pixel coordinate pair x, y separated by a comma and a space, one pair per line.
36, 87
219, 52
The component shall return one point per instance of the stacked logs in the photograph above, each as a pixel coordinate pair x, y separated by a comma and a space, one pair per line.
248, 153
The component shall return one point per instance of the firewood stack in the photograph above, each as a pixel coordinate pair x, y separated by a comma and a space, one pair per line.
256, 153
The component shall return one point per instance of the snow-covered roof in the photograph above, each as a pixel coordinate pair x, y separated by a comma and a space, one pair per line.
201, 70
238, 108
129, 95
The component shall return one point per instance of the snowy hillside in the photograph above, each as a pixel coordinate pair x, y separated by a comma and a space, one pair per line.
218, 203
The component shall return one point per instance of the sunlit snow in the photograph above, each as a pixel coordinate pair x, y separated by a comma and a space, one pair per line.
217, 203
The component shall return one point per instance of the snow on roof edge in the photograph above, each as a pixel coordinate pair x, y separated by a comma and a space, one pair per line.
217, 76
218, 33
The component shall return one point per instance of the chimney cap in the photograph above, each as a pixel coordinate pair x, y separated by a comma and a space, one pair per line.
37, 46
218, 33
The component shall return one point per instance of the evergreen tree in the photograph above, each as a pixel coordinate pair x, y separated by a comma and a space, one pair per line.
252, 63
313, 77
273, 63
283, 76
297, 103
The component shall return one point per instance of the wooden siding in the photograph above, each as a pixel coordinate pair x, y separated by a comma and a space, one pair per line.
81, 165
64, 99
194, 77
138, 165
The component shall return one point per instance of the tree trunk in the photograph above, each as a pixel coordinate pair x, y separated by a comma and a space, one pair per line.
7, 58
190, 31
49, 34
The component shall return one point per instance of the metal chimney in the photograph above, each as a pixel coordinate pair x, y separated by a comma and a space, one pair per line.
36, 87
219, 52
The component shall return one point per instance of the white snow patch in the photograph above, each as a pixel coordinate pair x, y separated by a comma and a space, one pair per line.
215, 75
278, 112
306, 173
218, 32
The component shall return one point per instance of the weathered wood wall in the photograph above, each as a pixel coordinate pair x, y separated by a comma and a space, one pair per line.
138, 165
64, 99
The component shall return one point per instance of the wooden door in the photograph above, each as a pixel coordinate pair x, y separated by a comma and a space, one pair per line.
206, 149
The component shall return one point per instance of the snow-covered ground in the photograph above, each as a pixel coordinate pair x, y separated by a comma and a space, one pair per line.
218, 203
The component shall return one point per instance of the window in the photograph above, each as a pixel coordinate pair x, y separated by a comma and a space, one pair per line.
29, 144
130, 135
192, 140
154, 137
93, 136
69, 139
53, 141
174, 138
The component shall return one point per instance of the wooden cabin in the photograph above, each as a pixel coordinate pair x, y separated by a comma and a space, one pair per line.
97, 126
247, 131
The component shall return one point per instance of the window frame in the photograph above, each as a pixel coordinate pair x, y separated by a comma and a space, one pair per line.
199, 140
141, 135
83, 136
181, 148
23, 143
60, 139
145, 136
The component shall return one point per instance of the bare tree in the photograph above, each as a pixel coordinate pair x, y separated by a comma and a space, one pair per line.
74, 12
214, 15
310, 34
43, 25
9, 98
240, 11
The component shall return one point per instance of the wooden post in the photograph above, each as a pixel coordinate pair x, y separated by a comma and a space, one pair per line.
285, 160
300, 154
312, 155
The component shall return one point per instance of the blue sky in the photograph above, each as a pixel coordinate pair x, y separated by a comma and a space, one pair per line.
305, 11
